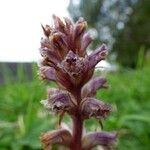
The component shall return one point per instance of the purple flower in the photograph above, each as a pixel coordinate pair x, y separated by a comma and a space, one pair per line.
58, 101
105, 139
89, 90
91, 107
98, 55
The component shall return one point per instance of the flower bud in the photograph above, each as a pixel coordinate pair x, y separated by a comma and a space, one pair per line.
80, 27
47, 73
86, 40
59, 25
47, 30
58, 41
79, 30
68, 24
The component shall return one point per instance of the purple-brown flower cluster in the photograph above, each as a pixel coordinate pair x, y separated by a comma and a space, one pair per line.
66, 62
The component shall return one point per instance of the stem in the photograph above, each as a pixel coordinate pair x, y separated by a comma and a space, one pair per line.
77, 132
77, 123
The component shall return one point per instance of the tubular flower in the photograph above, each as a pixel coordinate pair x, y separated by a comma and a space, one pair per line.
105, 139
90, 107
58, 101
47, 73
89, 90
66, 62
60, 136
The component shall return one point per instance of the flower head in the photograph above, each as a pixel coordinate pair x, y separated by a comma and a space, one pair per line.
64, 53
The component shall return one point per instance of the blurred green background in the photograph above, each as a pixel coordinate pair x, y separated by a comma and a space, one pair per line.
23, 118
125, 27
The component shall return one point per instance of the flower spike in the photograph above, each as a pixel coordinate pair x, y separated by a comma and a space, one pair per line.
66, 62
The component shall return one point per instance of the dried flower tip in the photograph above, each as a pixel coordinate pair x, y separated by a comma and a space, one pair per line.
80, 27
60, 136
68, 23
92, 107
105, 139
58, 24
47, 30
89, 90
58, 40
